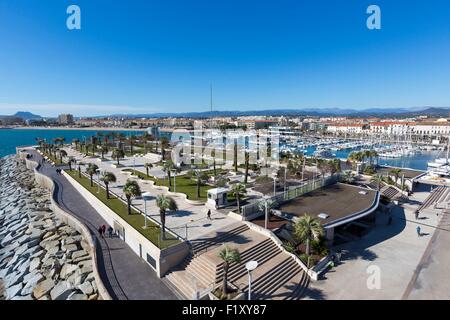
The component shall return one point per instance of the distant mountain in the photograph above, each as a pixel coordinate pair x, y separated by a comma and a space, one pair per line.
378, 112
23, 115
27, 115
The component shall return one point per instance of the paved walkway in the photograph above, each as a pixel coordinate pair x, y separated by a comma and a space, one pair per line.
430, 281
394, 250
124, 274
194, 216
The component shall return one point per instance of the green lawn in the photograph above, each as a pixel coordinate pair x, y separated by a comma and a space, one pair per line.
184, 184
152, 233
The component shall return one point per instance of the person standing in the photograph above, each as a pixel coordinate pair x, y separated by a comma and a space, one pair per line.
110, 231
100, 231
208, 214
419, 234
103, 230
416, 213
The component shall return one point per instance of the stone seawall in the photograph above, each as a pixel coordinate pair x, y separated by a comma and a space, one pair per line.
41, 256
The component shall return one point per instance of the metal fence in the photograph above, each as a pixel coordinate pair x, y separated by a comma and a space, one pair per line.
290, 194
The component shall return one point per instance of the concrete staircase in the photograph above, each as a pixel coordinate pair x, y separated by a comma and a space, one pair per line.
437, 196
278, 276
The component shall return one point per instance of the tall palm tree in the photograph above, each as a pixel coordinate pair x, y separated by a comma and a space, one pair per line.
62, 154
132, 140
167, 168
91, 170
307, 229
103, 150
70, 162
247, 164
131, 189
148, 166
396, 173
107, 178
80, 163
76, 142
238, 191
228, 257
199, 177
118, 154
165, 203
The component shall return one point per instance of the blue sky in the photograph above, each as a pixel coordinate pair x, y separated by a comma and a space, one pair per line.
160, 56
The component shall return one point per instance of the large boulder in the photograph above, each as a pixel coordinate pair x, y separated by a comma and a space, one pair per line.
61, 291
43, 288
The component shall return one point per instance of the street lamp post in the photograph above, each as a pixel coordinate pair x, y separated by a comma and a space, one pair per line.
146, 196
250, 266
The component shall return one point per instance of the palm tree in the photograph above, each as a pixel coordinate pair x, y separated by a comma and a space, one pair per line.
396, 173
238, 191
200, 177
228, 256
165, 203
131, 189
118, 154
167, 168
132, 140
71, 160
349, 177
378, 179
91, 170
80, 163
247, 164
307, 229
104, 149
107, 178
148, 166
62, 154
76, 142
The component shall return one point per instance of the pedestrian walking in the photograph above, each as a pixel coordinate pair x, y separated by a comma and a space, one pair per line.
100, 231
419, 233
208, 214
110, 231
416, 213
103, 230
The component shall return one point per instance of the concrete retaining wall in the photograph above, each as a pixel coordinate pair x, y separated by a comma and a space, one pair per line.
70, 220
160, 260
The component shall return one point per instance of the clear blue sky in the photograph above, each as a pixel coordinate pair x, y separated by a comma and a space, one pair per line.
160, 56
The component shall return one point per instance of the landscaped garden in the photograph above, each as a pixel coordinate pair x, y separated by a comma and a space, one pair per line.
183, 184
136, 220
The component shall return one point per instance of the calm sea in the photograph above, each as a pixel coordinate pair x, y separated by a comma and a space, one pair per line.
11, 138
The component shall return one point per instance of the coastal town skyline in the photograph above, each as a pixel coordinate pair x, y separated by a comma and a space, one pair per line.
151, 58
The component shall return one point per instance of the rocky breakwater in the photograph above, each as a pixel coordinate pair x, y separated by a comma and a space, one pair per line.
41, 258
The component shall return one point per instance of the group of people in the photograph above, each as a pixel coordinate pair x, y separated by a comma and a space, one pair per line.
102, 231
58, 171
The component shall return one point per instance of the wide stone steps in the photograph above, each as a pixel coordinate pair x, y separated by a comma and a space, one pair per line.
204, 244
261, 252
287, 272
180, 280
286, 293
437, 195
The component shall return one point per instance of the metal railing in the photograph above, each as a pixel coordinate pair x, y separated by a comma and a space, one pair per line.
290, 194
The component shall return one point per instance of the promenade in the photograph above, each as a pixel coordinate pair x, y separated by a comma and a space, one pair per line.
188, 218
124, 274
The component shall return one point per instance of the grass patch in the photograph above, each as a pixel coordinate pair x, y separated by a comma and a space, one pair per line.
184, 184
136, 220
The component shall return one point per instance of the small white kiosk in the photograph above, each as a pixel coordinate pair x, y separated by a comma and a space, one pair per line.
217, 197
